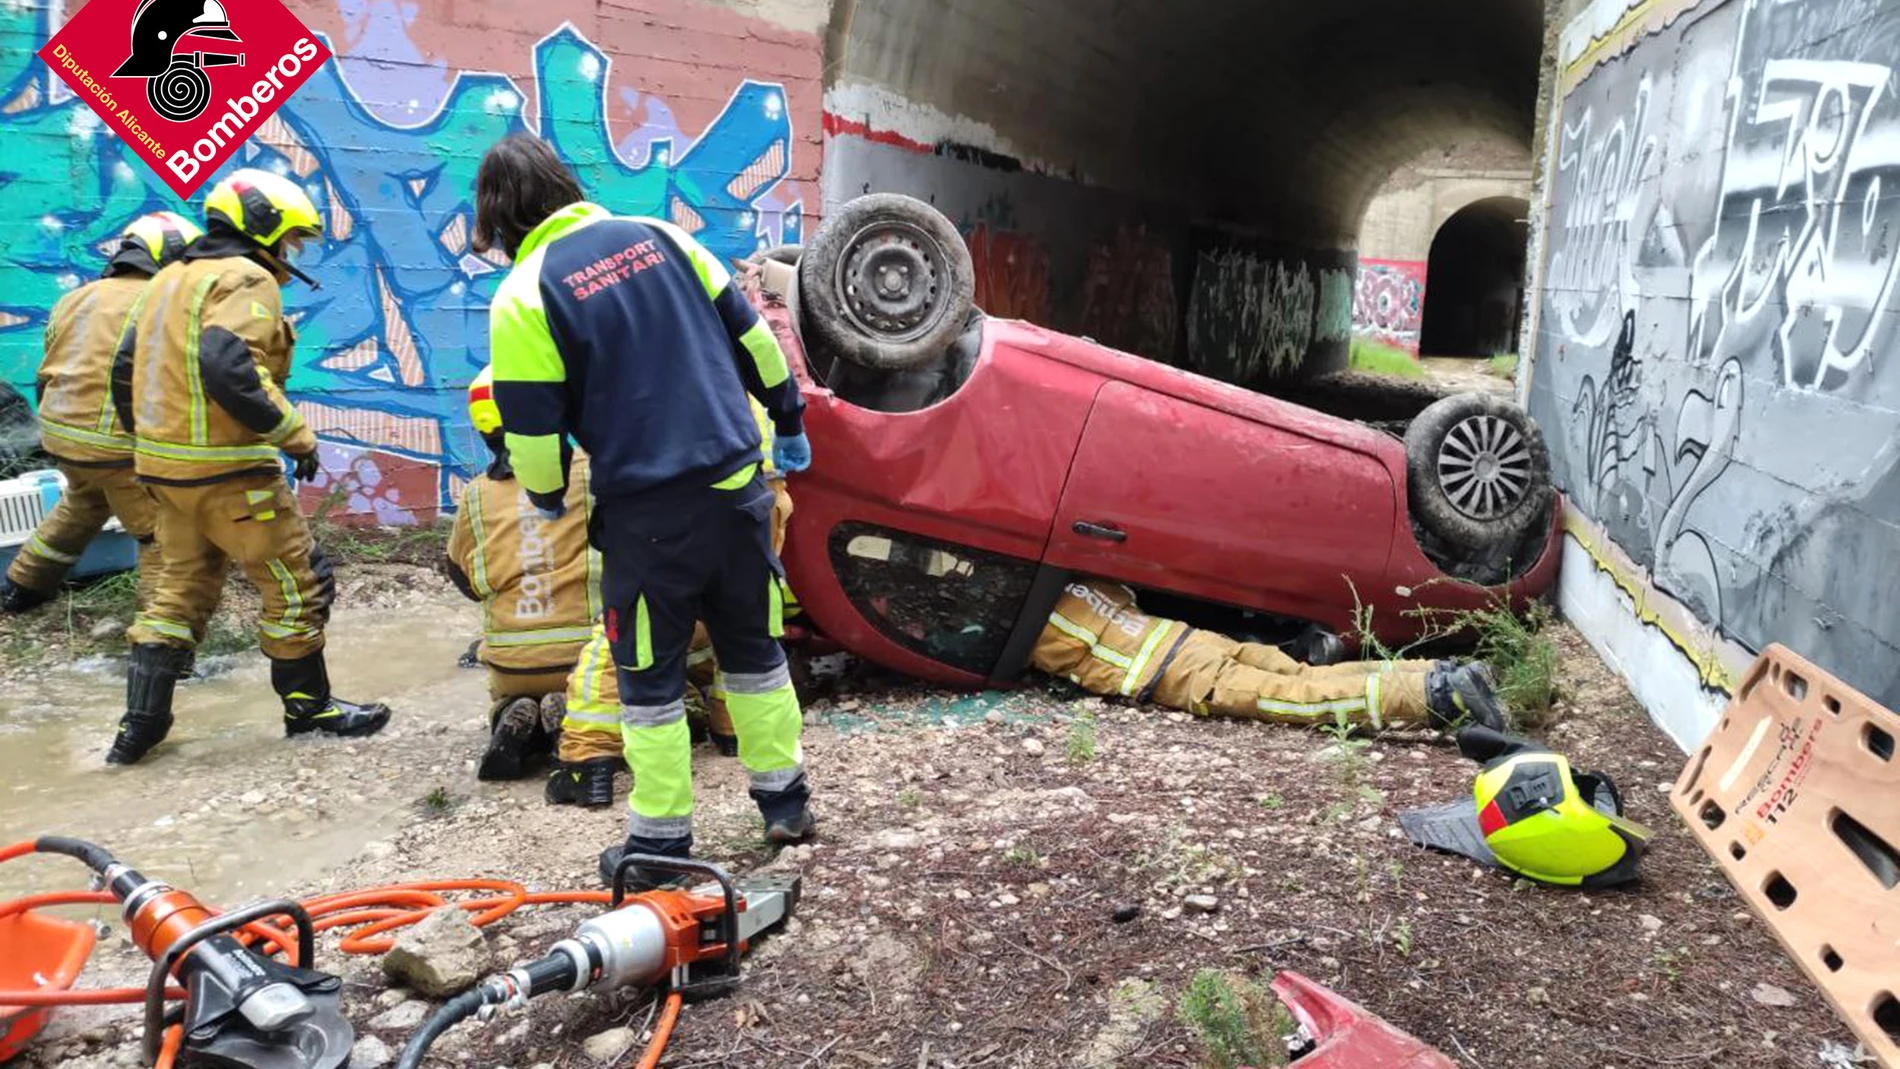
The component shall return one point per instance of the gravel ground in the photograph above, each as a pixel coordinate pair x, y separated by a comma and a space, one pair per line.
959, 906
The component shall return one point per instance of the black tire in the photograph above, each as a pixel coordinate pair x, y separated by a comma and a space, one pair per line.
1477, 471
886, 283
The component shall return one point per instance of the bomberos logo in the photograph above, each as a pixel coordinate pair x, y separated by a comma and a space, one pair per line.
200, 77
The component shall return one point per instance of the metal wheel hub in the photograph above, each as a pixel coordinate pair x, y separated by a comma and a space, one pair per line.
891, 281
1484, 466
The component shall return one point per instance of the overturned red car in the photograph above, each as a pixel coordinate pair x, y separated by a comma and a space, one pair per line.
966, 467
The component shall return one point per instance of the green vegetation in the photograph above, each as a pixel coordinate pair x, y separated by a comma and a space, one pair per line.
1374, 358
1238, 1022
351, 540
1022, 857
1521, 656
1502, 365
1081, 744
910, 798
437, 800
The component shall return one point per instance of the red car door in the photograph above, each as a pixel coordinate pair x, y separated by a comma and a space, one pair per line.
1178, 496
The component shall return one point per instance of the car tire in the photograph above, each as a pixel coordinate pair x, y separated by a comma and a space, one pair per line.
886, 283
1477, 471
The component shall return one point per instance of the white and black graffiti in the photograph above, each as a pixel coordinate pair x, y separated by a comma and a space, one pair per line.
1718, 309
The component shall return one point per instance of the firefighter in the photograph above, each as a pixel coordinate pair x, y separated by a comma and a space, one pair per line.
631, 337
198, 382
77, 424
1099, 638
538, 583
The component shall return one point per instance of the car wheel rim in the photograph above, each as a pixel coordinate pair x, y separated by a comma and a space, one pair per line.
891, 281
1484, 466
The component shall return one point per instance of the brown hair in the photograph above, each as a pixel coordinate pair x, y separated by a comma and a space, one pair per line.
521, 182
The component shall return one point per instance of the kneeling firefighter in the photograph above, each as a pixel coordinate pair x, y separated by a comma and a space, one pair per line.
77, 425
1099, 638
538, 582
198, 383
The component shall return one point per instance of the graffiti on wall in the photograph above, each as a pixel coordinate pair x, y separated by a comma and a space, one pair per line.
1388, 302
1724, 250
1333, 315
1012, 273
400, 325
1251, 317
1129, 297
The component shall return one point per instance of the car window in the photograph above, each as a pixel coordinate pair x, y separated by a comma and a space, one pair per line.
951, 603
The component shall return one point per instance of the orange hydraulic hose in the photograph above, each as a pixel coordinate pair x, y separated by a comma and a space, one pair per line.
669, 1015
168, 1050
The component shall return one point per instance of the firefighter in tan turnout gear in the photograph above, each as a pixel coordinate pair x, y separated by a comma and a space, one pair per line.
77, 424
538, 582
198, 382
1099, 638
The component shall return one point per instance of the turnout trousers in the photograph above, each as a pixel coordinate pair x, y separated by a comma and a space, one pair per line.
670, 561
93, 496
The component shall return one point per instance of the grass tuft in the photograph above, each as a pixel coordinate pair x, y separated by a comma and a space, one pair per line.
1081, 744
1238, 1022
1522, 657
1502, 365
1375, 358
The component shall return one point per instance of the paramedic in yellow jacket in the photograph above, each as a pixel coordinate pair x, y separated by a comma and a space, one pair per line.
538, 582
1099, 638
77, 425
198, 382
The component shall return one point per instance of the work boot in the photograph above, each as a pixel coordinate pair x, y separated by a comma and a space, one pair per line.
787, 813
150, 679
17, 598
304, 686
588, 784
553, 713
643, 879
1315, 646
510, 740
1459, 695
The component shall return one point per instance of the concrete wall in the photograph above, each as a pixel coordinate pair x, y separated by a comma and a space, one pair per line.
1716, 305
707, 113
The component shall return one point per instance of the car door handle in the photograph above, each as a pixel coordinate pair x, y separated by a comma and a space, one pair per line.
1105, 532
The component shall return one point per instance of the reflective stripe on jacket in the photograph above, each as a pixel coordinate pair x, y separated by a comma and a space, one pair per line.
538, 580
199, 381
83, 333
1096, 637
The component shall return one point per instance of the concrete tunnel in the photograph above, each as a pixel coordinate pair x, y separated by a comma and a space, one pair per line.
1179, 178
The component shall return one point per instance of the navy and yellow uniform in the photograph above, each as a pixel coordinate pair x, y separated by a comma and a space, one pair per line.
629, 337
78, 427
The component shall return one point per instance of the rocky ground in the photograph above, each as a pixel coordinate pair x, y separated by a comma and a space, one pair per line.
1031, 879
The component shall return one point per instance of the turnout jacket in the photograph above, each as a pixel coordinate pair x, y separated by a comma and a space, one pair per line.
630, 337
537, 579
197, 381
83, 332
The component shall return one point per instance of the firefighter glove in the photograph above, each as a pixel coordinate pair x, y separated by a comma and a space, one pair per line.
791, 452
305, 467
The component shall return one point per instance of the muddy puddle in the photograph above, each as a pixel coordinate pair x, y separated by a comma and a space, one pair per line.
227, 806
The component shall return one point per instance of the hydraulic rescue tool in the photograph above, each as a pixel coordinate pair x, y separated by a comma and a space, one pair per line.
242, 1009
686, 938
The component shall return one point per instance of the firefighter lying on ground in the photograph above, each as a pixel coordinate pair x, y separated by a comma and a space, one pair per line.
198, 382
538, 583
1099, 638
77, 425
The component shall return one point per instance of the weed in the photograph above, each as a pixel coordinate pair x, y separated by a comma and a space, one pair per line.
1022, 857
1396, 870
1272, 800
1348, 754
1522, 658
1376, 359
1238, 1022
1338, 812
437, 800
1081, 744
910, 797
1179, 863
1669, 962
1402, 938
1502, 365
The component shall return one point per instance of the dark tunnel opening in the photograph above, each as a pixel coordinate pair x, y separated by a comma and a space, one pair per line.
1183, 179
1474, 284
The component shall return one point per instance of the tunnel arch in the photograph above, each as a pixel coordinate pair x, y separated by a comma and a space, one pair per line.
1474, 280
1225, 149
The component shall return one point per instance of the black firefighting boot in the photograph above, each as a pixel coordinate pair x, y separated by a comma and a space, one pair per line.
17, 598
787, 813
304, 686
588, 784
1457, 695
641, 878
150, 680
513, 727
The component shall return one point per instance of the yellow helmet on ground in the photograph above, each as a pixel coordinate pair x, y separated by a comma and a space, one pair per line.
482, 410
263, 206
1531, 813
151, 241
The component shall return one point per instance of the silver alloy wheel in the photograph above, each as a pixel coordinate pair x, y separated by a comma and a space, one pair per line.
1484, 466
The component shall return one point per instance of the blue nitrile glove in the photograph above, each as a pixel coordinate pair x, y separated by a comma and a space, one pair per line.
790, 453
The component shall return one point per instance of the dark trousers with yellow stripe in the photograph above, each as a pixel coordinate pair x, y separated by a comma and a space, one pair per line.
251, 519
699, 555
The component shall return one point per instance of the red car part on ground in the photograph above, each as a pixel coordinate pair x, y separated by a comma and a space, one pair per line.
1058, 456
1346, 1036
